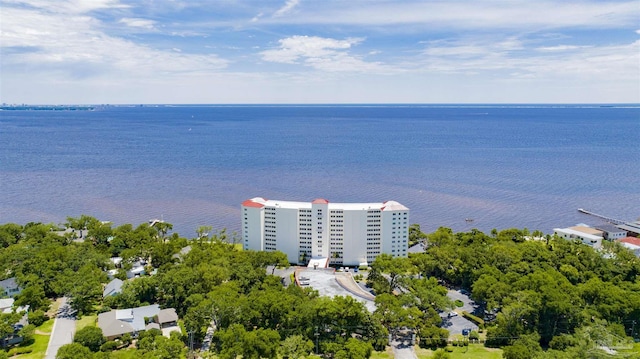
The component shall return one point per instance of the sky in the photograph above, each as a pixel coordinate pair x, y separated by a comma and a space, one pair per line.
319, 51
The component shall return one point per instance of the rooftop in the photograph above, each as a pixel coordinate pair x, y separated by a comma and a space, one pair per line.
259, 202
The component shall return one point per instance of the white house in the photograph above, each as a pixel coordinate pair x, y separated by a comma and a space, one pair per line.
345, 233
587, 235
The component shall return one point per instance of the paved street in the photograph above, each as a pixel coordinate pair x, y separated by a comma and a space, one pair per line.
64, 328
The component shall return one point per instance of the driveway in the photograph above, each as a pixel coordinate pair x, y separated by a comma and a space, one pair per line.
64, 328
402, 345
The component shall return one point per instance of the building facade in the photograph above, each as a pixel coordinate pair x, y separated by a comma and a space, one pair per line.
587, 235
345, 233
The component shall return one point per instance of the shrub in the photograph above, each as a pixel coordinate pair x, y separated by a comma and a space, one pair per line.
109, 346
478, 321
90, 337
37, 317
459, 303
449, 349
474, 335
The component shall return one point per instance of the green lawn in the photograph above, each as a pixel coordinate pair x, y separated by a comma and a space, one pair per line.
472, 351
41, 341
86, 320
382, 355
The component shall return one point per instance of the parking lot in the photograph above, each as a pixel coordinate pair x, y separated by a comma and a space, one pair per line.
456, 323
324, 281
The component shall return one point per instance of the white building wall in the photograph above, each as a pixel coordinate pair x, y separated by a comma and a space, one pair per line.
586, 238
252, 225
320, 229
354, 241
395, 232
356, 232
287, 232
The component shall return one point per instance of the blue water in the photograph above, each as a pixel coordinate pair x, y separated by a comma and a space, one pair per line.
503, 166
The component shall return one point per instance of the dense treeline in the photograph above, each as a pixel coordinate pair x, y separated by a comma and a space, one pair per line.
540, 293
544, 298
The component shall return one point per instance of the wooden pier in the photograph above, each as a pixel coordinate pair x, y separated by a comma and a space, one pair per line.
608, 219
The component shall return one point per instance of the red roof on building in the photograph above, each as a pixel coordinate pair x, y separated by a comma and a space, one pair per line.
251, 203
631, 240
320, 201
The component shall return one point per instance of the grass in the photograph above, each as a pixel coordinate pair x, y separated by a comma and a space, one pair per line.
472, 351
40, 342
86, 321
388, 354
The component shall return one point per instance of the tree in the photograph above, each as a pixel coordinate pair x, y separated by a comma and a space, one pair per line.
73, 351
354, 349
203, 232
296, 346
90, 337
33, 296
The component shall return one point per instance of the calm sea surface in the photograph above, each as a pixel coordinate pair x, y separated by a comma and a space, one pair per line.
503, 166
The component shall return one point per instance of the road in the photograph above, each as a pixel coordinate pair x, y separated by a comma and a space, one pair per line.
402, 346
64, 328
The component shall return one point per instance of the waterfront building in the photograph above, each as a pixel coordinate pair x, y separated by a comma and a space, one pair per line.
349, 234
611, 232
589, 236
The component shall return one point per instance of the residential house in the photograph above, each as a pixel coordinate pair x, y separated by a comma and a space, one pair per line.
116, 323
168, 321
10, 287
112, 288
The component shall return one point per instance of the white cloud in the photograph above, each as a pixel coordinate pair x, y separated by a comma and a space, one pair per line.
559, 48
324, 54
68, 6
257, 17
510, 57
288, 6
295, 47
138, 22
73, 44
459, 14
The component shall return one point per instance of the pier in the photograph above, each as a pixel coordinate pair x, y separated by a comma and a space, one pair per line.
608, 219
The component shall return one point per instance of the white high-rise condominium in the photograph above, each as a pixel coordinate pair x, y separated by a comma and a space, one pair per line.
346, 233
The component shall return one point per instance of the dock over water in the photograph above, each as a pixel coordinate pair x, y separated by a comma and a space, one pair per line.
608, 219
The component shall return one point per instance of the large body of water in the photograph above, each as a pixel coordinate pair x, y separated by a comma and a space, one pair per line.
503, 166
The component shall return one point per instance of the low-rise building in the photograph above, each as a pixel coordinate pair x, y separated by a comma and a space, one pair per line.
631, 243
589, 236
611, 232
112, 288
10, 287
116, 323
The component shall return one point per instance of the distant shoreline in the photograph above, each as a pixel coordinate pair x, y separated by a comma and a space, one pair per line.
45, 108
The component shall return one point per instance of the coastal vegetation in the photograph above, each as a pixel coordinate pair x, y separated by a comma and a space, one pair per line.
547, 298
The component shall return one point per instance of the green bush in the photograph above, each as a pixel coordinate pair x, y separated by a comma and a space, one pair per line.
478, 321
459, 303
109, 346
474, 335
37, 318
449, 349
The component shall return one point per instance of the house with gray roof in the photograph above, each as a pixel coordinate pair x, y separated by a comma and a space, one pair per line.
116, 323
10, 287
112, 288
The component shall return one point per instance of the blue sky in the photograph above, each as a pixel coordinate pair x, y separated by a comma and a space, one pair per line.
319, 51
